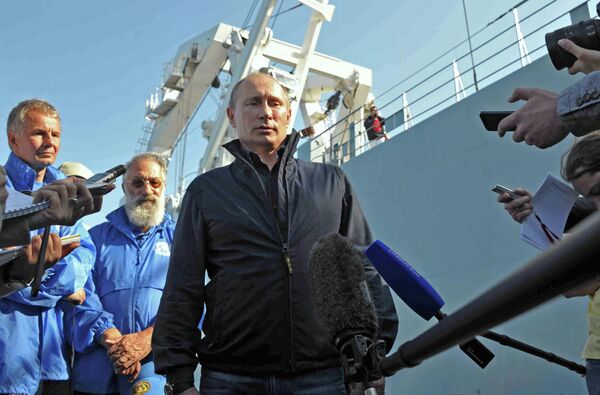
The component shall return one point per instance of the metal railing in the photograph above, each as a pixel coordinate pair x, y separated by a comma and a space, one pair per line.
495, 54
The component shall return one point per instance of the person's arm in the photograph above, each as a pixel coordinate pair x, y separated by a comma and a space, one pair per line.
586, 289
354, 226
536, 122
88, 325
176, 328
129, 349
519, 208
588, 60
66, 276
578, 105
20, 272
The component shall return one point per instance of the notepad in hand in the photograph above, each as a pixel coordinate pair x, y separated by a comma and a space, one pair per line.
18, 204
69, 243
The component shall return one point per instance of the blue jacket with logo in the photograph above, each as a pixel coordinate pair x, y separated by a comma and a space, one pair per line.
128, 280
32, 346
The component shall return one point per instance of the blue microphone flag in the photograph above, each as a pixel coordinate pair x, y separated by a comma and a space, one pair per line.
413, 289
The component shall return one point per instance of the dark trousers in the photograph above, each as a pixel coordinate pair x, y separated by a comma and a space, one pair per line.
318, 382
54, 387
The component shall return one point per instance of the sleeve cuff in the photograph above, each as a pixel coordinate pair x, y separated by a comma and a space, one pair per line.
181, 374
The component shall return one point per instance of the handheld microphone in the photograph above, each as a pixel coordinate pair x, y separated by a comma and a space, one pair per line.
418, 294
343, 303
98, 183
423, 299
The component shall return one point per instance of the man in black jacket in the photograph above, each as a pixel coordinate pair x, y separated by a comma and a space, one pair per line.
251, 226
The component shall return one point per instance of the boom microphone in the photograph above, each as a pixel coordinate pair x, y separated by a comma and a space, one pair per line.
423, 299
343, 303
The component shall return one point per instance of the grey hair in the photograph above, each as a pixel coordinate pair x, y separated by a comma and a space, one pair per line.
154, 157
17, 115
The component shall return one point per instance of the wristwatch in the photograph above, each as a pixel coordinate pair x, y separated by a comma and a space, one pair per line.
169, 389
178, 388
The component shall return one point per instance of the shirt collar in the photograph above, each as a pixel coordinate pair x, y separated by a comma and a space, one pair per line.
22, 176
253, 157
118, 218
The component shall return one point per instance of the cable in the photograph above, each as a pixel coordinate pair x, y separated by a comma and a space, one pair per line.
249, 15
277, 14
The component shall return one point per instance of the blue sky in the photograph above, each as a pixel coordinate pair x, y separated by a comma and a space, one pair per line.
98, 61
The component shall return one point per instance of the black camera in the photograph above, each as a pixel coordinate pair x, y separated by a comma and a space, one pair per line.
586, 34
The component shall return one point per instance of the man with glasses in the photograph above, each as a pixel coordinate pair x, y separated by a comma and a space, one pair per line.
112, 329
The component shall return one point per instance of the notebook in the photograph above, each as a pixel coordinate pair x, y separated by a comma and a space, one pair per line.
18, 204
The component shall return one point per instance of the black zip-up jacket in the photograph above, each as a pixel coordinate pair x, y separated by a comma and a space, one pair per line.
259, 315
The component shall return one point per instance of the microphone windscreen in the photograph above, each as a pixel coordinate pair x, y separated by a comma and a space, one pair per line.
338, 288
413, 289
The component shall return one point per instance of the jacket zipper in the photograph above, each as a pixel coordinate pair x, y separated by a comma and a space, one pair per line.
285, 252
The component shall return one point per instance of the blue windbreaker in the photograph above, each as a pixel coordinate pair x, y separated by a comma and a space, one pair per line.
128, 277
32, 345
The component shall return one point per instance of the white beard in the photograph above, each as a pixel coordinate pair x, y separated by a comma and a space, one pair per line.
145, 213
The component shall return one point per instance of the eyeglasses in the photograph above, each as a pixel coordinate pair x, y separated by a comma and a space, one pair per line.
139, 182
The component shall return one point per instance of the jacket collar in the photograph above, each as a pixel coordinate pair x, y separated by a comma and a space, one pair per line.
291, 141
118, 218
22, 176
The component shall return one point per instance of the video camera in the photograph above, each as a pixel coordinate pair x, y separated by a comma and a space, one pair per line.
586, 34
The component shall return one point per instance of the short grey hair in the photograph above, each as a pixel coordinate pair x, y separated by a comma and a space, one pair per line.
17, 115
152, 156
236, 87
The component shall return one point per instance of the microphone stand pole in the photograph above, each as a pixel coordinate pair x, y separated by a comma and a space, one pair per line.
526, 348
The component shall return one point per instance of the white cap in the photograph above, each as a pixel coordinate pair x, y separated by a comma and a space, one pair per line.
75, 169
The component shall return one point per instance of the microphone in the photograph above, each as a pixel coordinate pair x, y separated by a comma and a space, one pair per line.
343, 303
418, 294
423, 299
98, 183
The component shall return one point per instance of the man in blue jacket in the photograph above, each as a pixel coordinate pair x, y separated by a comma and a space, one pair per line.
114, 326
32, 348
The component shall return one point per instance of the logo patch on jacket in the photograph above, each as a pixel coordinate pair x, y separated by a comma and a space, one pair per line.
140, 388
162, 248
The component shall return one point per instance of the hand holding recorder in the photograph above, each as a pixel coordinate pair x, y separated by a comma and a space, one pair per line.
517, 203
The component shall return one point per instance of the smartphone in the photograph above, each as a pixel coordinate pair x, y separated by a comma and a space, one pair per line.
500, 189
491, 119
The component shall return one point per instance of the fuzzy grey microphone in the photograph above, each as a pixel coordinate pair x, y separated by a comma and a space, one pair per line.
343, 303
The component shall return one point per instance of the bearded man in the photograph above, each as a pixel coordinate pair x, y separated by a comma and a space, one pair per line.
111, 331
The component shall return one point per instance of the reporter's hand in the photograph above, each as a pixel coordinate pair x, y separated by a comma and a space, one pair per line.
62, 211
537, 122
24, 268
76, 298
520, 208
97, 199
588, 60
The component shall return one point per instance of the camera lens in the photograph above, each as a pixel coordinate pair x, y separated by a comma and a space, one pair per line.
586, 34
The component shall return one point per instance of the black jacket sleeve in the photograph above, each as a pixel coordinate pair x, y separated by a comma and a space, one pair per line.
176, 332
354, 226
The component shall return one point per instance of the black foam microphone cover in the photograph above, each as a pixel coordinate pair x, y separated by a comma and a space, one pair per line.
339, 290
